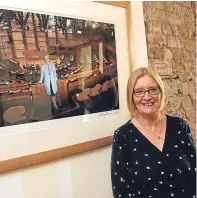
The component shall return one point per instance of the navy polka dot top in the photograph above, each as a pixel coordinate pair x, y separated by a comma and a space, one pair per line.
139, 169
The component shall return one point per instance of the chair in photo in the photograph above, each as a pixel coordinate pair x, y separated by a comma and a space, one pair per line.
16, 108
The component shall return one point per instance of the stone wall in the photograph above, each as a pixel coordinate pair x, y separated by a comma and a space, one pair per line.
171, 42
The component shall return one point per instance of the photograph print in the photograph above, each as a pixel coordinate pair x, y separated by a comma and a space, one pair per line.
55, 67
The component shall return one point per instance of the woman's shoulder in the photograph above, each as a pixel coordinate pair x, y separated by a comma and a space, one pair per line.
121, 135
176, 120
178, 123
43, 65
124, 129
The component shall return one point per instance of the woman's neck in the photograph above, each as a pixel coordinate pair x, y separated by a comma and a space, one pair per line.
148, 120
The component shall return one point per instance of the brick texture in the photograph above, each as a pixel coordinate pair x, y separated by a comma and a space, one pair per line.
171, 43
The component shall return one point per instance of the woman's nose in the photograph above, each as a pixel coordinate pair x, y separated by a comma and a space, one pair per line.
147, 95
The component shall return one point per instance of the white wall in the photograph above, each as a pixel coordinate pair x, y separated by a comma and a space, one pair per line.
81, 176
138, 43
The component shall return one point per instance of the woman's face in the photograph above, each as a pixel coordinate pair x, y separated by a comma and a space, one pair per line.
46, 59
147, 103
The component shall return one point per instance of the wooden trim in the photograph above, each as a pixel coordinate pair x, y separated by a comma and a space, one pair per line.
47, 156
122, 4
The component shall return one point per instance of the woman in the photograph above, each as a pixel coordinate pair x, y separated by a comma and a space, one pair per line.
48, 76
153, 154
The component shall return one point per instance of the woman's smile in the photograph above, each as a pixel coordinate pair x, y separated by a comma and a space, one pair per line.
148, 104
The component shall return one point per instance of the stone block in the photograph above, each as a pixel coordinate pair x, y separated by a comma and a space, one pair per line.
171, 41
150, 13
156, 26
174, 41
167, 54
186, 3
163, 67
168, 6
191, 65
189, 44
186, 103
156, 40
160, 14
176, 30
149, 39
148, 26
192, 31
187, 22
159, 53
187, 76
151, 52
189, 14
167, 29
168, 89
188, 106
176, 53
159, 40
176, 85
173, 103
176, 8
159, 4
148, 4
173, 19
178, 43
191, 113
184, 31
150, 62
184, 9
185, 88
192, 91
178, 67
187, 56
193, 6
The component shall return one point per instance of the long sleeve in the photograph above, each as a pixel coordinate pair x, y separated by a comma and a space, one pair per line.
116, 98
190, 151
54, 70
189, 145
41, 76
119, 171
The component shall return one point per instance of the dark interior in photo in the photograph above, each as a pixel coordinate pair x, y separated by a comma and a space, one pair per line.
83, 53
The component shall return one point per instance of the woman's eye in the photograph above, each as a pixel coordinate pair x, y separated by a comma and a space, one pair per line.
139, 91
154, 89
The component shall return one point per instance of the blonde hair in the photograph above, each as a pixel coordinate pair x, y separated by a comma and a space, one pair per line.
135, 75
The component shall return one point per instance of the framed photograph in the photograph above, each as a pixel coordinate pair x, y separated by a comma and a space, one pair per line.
63, 73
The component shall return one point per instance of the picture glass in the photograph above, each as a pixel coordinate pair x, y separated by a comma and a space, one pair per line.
55, 67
